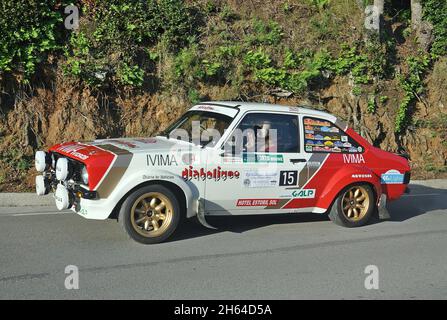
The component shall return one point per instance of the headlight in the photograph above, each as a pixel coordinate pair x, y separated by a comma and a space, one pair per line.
62, 169
53, 161
84, 175
40, 161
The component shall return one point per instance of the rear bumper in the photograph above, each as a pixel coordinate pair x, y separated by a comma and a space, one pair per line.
407, 177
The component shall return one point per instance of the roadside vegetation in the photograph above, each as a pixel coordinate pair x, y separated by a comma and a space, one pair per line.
284, 51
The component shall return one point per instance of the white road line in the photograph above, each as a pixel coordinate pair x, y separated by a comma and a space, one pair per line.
421, 195
30, 214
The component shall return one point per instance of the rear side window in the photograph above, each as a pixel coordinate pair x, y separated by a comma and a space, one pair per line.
324, 136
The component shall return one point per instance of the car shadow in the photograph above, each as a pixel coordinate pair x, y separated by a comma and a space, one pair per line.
419, 201
239, 224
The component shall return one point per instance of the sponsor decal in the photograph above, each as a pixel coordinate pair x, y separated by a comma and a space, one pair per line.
314, 122
161, 160
334, 129
216, 174
205, 107
288, 178
79, 155
328, 137
73, 151
353, 158
392, 177
146, 140
123, 143
304, 194
257, 202
313, 164
294, 109
157, 177
263, 158
260, 179
361, 176
231, 159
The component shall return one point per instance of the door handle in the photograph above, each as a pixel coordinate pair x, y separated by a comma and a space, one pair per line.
294, 161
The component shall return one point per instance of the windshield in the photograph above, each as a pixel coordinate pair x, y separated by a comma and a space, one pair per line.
199, 127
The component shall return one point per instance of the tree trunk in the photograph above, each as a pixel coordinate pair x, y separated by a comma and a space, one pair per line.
416, 14
378, 17
380, 4
423, 29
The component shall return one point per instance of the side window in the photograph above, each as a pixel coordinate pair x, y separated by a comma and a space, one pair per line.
324, 136
267, 132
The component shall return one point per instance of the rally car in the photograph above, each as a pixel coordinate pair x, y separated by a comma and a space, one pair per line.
225, 158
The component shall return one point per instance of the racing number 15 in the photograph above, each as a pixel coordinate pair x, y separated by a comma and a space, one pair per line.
288, 178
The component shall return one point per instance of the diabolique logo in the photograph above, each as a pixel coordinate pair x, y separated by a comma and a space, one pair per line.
215, 174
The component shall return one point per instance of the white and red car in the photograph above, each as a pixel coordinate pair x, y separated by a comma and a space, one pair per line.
225, 158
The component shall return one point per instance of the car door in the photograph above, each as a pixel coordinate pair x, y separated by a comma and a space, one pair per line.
260, 161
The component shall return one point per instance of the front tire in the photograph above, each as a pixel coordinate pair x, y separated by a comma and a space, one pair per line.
150, 214
353, 207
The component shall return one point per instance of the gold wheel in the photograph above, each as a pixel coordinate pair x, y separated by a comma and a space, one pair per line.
355, 203
151, 214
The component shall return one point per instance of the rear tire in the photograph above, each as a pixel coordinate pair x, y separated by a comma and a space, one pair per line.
353, 207
150, 214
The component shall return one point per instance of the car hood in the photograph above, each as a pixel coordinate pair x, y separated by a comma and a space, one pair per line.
99, 156
137, 145
82, 150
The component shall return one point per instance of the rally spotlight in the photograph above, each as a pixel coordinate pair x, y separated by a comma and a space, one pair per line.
42, 161
42, 186
63, 197
63, 169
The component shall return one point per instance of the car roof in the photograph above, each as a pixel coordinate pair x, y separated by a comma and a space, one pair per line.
257, 106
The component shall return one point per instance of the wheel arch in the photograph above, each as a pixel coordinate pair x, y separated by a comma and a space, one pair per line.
185, 201
345, 179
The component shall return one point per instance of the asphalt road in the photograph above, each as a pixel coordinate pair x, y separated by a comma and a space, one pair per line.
257, 257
